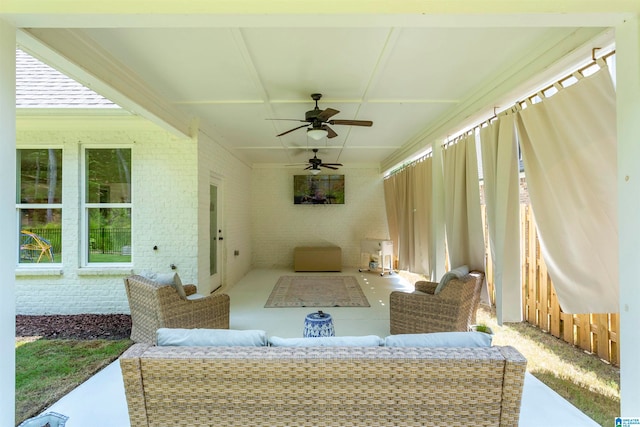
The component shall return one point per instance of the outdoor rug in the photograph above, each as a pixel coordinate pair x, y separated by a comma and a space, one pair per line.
317, 291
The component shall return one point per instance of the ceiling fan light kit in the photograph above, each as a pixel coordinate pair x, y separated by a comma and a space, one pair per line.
315, 164
317, 121
317, 134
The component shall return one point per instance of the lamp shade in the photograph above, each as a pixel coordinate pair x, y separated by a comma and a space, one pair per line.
317, 134
314, 171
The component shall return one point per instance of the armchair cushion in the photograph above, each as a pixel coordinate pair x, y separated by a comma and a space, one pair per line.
211, 337
456, 273
166, 279
440, 339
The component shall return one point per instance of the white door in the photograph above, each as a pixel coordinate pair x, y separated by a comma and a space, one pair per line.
216, 236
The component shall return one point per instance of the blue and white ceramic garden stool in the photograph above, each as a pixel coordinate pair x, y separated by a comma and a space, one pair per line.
318, 324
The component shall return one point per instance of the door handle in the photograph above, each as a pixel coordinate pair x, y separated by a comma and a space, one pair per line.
220, 238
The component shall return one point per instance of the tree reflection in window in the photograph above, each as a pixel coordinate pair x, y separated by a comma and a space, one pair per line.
108, 205
39, 204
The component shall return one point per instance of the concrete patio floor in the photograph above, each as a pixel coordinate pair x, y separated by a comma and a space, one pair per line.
100, 401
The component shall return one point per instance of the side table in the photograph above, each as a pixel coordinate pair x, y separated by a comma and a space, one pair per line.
318, 324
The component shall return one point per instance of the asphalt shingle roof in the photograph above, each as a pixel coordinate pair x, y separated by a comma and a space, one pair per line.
40, 86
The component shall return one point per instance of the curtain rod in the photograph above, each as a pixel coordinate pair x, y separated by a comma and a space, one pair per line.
594, 61
411, 163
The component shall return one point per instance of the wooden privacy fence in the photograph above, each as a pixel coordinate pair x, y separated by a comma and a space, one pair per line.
596, 333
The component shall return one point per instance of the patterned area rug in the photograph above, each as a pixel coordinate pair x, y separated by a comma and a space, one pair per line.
317, 291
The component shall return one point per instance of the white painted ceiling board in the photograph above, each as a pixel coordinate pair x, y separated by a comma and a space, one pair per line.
335, 61
186, 65
407, 80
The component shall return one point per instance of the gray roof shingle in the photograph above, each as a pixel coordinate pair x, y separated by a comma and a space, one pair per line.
40, 86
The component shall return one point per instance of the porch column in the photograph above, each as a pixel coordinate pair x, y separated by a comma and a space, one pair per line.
438, 270
628, 113
8, 242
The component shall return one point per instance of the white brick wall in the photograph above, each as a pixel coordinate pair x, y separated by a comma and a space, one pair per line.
167, 213
171, 179
234, 179
279, 225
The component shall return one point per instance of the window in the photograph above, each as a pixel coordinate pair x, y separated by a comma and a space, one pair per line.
107, 203
39, 205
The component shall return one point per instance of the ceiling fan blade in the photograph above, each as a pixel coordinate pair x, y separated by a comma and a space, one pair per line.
328, 167
330, 132
291, 130
332, 164
290, 120
308, 167
351, 122
329, 112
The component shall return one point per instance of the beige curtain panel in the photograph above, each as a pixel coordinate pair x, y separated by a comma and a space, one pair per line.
569, 150
408, 204
502, 199
389, 185
423, 260
463, 220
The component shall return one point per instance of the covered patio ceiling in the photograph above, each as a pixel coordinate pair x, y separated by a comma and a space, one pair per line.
448, 62
216, 66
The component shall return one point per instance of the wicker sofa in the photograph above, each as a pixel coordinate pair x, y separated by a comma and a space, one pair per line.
310, 386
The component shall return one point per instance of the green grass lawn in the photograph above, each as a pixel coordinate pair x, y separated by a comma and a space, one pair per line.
109, 258
590, 384
46, 370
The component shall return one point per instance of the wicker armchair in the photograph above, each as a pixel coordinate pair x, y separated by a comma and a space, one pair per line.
453, 309
155, 306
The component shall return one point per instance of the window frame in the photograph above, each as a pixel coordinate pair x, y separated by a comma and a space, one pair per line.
39, 206
86, 206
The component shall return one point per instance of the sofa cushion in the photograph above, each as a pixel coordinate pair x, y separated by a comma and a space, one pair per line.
456, 273
440, 339
166, 279
357, 341
211, 337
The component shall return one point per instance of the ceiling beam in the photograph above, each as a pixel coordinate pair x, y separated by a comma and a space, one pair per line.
87, 63
295, 13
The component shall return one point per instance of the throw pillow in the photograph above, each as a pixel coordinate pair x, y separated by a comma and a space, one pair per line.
359, 341
166, 279
211, 337
440, 339
456, 273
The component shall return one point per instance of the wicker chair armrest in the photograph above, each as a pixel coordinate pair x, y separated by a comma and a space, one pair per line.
423, 313
514, 373
426, 287
133, 384
190, 289
210, 312
422, 303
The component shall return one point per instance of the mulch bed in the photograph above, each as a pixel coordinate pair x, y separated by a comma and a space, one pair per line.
77, 326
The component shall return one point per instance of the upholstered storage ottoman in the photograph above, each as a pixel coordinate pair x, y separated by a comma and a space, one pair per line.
317, 258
